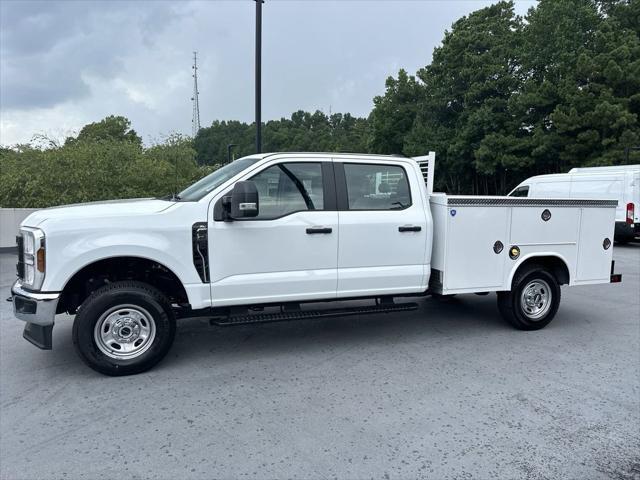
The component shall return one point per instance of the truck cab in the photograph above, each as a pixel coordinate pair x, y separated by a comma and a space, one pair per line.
266, 235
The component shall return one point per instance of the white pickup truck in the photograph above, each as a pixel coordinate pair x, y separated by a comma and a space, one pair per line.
263, 237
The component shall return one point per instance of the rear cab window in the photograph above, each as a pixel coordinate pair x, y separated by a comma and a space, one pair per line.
376, 187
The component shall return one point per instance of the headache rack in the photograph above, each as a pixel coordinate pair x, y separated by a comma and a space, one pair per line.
427, 167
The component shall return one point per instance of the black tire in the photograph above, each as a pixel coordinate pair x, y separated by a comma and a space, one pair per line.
150, 310
513, 307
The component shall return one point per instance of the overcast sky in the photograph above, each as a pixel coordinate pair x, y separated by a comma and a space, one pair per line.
67, 63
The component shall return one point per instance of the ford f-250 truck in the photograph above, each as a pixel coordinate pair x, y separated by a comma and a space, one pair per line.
261, 238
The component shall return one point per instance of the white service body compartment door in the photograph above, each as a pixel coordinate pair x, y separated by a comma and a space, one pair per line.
256, 261
528, 227
471, 262
594, 262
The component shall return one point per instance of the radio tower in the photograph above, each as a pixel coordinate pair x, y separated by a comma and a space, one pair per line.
195, 122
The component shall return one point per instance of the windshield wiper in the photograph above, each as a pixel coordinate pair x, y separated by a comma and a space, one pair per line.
171, 196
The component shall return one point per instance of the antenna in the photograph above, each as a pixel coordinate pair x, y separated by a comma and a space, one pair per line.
195, 122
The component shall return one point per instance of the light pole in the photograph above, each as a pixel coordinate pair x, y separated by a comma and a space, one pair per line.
229, 148
258, 75
626, 153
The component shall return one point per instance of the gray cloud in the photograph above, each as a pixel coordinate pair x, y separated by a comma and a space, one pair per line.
66, 63
49, 47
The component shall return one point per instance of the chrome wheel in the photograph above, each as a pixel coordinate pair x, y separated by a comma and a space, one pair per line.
536, 299
124, 332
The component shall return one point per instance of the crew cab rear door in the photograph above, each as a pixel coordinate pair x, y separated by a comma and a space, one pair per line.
289, 251
383, 229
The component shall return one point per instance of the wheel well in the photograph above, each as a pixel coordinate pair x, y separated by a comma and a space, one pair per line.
102, 272
554, 264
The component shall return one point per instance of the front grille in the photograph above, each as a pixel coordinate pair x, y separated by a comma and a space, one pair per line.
20, 265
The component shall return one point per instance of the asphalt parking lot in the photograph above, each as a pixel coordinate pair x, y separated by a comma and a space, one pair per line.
448, 391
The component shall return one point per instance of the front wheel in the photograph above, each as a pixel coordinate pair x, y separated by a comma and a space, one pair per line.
533, 300
124, 328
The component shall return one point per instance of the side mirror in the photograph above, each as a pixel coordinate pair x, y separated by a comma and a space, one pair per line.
244, 200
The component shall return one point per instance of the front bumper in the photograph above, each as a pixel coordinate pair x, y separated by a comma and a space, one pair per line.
38, 309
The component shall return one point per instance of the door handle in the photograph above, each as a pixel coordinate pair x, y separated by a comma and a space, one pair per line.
410, 228
313, 230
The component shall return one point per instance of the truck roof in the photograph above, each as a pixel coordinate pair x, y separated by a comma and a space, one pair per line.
334, 154
577, 173
607, 169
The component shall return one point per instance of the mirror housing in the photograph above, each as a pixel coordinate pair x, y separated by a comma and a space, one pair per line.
244, 200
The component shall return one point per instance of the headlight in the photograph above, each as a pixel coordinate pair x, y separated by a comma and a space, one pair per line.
32, 259
29, 240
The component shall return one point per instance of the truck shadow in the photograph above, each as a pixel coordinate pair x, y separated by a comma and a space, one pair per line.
435, 320
452, 320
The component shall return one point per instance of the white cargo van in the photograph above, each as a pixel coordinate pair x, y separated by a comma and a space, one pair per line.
621, 183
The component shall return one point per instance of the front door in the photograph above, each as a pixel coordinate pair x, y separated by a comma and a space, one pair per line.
383, 230
289, 251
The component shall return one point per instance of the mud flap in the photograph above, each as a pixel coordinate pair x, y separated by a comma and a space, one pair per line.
39, 335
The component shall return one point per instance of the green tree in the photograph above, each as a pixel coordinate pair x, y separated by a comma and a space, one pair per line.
349, 133
82, 171
394, 113
302, 132
113, 127
598, 115
580, 84
211, 142
555, 35
463, 111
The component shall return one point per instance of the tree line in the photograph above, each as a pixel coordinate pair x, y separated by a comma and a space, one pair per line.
507, 97
504, 97
106, 160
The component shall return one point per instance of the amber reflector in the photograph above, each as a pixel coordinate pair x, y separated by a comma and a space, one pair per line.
40, 262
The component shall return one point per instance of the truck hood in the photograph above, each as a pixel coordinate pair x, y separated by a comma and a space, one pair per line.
111, 208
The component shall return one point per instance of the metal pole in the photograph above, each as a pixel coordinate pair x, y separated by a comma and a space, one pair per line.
627, 150
258, 75
229, 147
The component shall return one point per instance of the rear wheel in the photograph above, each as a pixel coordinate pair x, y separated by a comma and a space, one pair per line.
124, 328
533, 300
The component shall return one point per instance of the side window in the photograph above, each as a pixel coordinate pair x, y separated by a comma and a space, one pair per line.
289, 187
377, 187
521, 191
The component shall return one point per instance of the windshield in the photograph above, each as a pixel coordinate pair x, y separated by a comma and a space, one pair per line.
206, 184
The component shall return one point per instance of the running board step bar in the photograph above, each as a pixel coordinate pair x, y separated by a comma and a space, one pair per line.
311, 314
